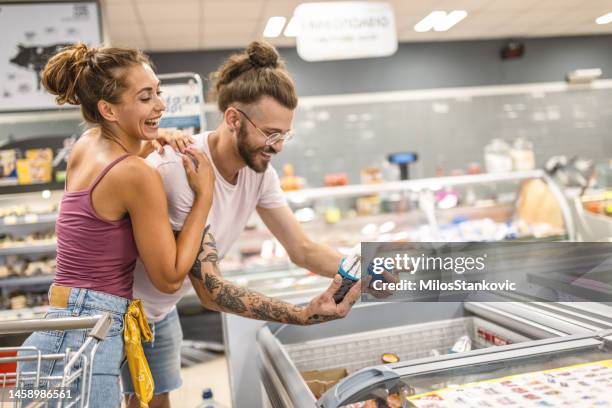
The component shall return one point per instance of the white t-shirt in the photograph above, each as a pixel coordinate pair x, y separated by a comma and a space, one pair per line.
231, 208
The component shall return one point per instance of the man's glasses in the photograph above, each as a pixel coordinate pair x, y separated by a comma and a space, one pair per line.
271, 138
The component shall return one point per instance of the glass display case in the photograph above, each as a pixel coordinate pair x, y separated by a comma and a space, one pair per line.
572, 371
505, 339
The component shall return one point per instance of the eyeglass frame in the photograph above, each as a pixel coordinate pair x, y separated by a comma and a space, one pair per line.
271, 138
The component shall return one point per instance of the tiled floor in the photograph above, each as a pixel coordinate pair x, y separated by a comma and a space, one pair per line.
212, 374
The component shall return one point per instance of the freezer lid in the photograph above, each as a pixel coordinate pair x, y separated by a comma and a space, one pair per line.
360, 385
375, 382
543, 319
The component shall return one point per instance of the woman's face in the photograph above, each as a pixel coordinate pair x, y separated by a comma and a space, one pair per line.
141, 105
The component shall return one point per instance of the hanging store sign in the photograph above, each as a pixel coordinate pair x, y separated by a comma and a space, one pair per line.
183, 105
345, 30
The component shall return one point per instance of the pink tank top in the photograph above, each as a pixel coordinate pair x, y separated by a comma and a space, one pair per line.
93, 253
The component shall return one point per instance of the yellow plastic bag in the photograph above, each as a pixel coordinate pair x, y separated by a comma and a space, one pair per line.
136, 327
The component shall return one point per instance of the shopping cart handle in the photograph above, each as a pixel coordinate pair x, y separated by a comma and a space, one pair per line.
101, 328
99, 322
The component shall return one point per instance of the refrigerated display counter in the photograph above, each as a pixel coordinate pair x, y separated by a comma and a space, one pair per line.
415, 333
571, 371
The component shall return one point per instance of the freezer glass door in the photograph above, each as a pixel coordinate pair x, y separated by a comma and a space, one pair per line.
574, 371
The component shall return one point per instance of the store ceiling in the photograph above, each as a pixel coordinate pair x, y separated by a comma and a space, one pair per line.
162, 25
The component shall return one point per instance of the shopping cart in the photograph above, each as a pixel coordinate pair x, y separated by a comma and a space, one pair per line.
37, 389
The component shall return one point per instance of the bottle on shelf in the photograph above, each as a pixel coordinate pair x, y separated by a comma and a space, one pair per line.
497, 157
523, 157
208, 400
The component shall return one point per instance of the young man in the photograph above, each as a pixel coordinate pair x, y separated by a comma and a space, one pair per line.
257, 98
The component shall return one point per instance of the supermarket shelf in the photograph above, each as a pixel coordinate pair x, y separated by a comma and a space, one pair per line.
22, 281
433, 183
10, 223
29, 188
36, 249
25, 313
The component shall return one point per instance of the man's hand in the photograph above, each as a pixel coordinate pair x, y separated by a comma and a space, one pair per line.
177, 139
323, 308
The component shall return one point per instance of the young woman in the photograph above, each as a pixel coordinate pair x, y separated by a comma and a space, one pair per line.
114, 206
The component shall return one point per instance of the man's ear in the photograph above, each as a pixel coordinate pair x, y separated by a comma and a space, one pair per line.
107, 111
232, 119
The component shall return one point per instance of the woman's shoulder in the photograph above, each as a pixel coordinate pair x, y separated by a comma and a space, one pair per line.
134, 172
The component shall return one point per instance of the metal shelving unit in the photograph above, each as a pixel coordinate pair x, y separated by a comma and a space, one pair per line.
10, 224
25, 281
36, 249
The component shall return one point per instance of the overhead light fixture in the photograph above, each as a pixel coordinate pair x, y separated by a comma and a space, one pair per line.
605, 19
440, 20
451, 19
274, 27
583, 76
292, 28
429, 21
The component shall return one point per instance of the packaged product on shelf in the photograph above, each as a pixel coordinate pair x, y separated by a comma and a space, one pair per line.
571, 386
392, 401
18, 302
370, 205
36, 167
8, 167
388, 358
463, 344
523, 157
335, 179
289, 181
497, 157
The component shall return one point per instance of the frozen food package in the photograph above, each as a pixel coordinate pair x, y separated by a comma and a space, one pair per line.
580, 385
463, 344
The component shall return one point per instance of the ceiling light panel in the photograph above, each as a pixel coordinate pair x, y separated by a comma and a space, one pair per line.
428, 23
450, 20
440, 20
292, 28
274, 27
605, 19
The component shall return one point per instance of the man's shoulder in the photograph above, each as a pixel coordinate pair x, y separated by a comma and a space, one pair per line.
172, 157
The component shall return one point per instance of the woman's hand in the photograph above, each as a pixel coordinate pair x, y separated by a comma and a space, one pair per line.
177, 139
200, 174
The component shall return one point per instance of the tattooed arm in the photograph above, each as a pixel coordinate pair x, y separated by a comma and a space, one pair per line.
219, 294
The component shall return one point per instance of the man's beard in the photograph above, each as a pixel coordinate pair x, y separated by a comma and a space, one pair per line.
250, 153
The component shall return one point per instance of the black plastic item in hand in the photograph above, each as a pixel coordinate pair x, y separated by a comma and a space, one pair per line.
346, 285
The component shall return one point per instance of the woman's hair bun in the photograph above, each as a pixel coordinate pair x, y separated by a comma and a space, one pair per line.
63, 72
262, 54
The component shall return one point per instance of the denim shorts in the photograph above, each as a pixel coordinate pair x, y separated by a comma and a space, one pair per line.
163, 355
105, 386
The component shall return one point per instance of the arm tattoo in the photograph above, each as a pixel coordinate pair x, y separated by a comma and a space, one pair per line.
228, 297
319, 318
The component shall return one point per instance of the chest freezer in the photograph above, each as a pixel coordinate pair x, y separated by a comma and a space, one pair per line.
410, 331
573, 371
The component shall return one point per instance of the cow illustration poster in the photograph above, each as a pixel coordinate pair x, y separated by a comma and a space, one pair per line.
31, 33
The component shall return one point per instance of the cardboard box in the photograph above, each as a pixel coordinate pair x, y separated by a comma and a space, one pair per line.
320, 381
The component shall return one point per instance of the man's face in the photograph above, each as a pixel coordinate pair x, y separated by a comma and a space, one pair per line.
270, 117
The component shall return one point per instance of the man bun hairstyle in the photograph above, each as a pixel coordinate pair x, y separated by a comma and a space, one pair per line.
247, 76
80, 75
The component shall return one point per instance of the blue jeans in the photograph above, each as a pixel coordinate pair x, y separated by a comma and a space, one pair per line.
163, 355
105, 387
